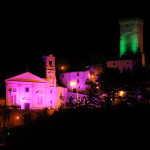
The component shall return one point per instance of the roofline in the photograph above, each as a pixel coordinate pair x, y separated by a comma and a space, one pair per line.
74, 71
9, 79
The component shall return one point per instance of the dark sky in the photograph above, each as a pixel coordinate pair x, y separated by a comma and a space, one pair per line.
73, 32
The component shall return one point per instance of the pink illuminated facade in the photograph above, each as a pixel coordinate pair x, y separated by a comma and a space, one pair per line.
75, 80
78, 79
32, 92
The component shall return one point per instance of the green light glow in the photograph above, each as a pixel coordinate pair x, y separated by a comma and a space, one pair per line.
134, 43
122, 45
128, 43
8, 133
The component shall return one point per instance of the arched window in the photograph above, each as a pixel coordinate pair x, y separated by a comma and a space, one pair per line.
40, 98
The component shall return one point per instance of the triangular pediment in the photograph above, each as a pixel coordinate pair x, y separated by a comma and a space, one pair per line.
27, 77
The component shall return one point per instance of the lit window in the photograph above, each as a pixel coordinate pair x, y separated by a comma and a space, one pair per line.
26, 89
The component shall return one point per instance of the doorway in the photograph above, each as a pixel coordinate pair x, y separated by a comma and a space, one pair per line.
27, 106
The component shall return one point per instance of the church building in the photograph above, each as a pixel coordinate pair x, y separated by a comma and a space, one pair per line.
32, 92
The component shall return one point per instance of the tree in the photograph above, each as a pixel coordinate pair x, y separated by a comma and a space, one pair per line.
110, 82
94, 94
135, 83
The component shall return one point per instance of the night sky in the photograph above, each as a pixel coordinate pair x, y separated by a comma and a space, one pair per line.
74, 32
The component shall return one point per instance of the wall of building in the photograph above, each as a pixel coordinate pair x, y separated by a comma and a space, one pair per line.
120, 64
79, 79
38, 95
25, 92
131, 36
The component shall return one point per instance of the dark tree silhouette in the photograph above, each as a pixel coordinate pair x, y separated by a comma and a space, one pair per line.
135, 83
110, 82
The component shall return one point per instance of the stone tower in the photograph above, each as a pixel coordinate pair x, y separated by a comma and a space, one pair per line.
131, 37
50, 70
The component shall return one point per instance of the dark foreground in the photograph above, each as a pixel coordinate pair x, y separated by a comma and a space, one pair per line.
115, 128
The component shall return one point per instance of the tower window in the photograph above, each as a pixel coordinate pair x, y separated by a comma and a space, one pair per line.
113, 64
77, 81
50, 63
26, 89
77, 73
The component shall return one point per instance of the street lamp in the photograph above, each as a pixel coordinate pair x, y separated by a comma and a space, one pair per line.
17, 120
17, 117
62, 67
121, 93
73, 84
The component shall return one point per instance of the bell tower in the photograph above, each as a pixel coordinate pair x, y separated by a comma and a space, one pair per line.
50, 70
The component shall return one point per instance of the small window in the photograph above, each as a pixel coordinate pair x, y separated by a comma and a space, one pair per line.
127, 62
113, 64
77, 81
62, 76
51, 91
26, 89
77, 73
50, 63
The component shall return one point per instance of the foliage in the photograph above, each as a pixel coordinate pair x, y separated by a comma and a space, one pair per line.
135, 82
110, 81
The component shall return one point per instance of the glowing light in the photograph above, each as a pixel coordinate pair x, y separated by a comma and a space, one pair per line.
8, 133
72, 83
92, 76
17, 117
129, 36
62, 67
128, 42
121, 93
97, 87
122, 45
134, 43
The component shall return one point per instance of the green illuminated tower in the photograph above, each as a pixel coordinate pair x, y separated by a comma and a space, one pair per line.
131, 36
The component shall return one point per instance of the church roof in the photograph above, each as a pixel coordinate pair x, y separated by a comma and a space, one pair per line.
27, 77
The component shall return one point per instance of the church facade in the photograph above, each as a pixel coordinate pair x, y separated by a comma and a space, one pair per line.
32, 92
